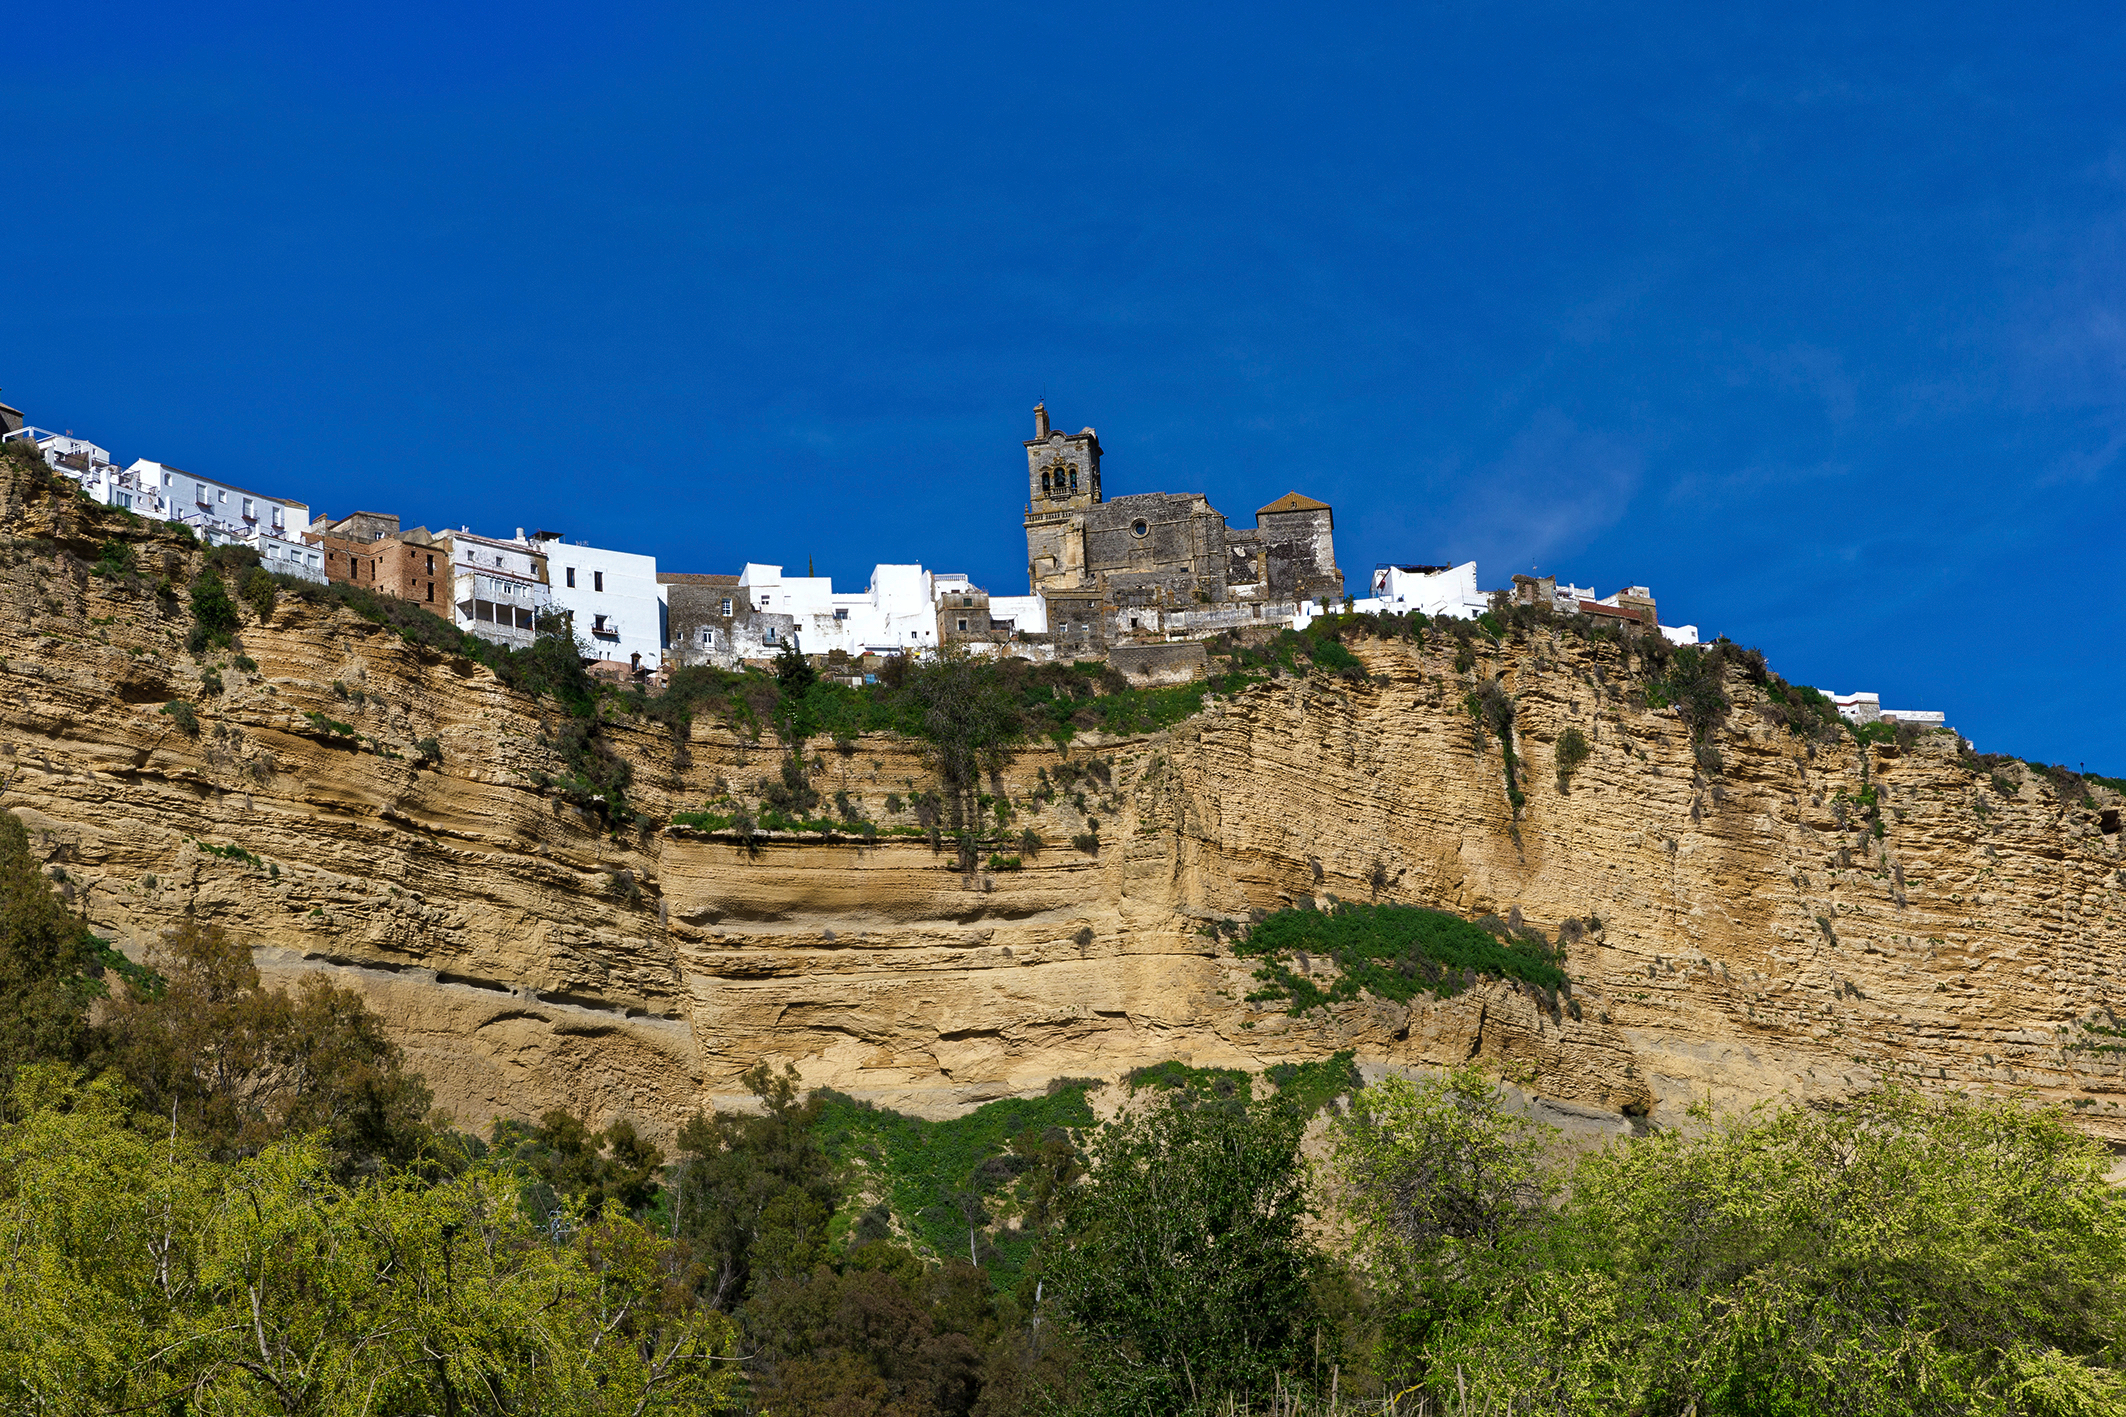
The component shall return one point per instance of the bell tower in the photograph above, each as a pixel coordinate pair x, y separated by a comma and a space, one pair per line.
1062, 485
1062, 469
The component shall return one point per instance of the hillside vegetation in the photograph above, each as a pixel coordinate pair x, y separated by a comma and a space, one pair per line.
220, 1197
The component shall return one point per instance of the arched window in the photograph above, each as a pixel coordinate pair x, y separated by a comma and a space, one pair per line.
1073, 479
1044, 482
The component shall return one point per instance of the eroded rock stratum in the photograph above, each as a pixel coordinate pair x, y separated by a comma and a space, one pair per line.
1750, 944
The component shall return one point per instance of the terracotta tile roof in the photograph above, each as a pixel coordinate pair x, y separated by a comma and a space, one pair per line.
1293, 502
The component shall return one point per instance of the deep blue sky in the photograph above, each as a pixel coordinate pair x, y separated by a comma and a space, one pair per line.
1812, 320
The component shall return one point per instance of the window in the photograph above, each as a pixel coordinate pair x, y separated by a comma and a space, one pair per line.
598, 580
124, 499
768, 635
1073, 479
963, 625
1139, 527
764, 601
431, 592
431, 565
201, 495
1044, 483
1133, 622
571, 574
726, 605
597, 624
250, 513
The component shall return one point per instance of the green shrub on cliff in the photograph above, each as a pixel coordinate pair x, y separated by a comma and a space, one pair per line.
1388, 951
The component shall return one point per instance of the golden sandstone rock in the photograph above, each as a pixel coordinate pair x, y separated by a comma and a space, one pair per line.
1748, 946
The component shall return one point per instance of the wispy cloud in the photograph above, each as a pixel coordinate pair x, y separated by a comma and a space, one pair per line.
1552, 489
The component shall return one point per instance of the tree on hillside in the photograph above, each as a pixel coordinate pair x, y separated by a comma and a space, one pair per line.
240, 1066
1443, 1187
51, 966
1898, 1254
1181, 1261
141, 1275
752, 1194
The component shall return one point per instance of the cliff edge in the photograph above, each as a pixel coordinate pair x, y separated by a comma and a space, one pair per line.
1788, 915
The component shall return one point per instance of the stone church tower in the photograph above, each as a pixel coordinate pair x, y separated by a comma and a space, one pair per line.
1160, 565
1062, 484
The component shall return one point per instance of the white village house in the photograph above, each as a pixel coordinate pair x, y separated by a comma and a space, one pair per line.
612, 598
219, 513
895, 613
498, 588
1867, 708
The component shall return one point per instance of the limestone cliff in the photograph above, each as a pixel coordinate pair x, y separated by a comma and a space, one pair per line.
1753, 939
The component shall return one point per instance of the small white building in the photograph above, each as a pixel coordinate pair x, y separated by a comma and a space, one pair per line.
1019, 614
220, 512
289, 558
1867, 708
612, 598
91, 466
895, 613
499, 588
1427, 590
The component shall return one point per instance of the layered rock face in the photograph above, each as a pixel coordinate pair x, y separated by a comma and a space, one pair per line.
1750, 936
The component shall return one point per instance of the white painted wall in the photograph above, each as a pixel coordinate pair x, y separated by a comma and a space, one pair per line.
501, 573
220, 511
1028, 613
1450, 592
895, 612
618, 609
289, 558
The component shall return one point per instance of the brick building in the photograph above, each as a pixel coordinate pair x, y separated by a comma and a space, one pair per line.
369, 550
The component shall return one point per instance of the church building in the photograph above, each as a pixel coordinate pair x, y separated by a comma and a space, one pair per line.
1157, 565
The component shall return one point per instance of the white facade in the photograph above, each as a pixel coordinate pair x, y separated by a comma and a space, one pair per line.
611, 596
1027, 614
498, 588
289, 558
1867, 708
1450, 592
220, 512
896, 613
1680, 634
91, 466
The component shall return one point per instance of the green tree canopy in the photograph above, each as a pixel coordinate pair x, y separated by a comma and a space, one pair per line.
138, 1274
1182, 1261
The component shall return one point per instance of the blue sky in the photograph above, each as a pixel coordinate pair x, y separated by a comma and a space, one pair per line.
1813, 319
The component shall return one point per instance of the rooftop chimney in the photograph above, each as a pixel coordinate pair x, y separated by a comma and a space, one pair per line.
1040, 419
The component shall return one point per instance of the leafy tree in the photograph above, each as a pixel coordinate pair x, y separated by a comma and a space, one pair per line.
1181, 1261
141, 1275
588, 1170
752, 1194
1444, 1188
51, 967
213, 613
240, 1066
880, 1334
1898, 1255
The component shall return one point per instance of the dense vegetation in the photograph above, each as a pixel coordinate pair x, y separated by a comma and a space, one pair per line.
1392, 952
220, 1197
